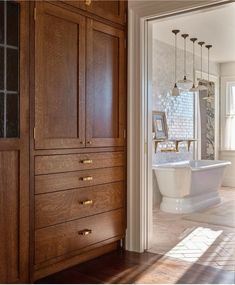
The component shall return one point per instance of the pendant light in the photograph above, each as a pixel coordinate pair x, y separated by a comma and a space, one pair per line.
200, 86
184, 84
175, 90
208, 97
193, 89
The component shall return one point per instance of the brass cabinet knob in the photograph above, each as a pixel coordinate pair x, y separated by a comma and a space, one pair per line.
87, 161
87, 178
89, 142
82, 142
86, 202
88, 2
85, 232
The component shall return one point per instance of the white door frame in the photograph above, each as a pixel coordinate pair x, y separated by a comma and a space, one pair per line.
139, 194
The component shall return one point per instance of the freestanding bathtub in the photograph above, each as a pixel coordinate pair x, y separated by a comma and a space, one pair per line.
189, 186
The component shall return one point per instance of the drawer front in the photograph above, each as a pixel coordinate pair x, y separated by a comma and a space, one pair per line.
78, 203
63, 181
73, 162
61, 239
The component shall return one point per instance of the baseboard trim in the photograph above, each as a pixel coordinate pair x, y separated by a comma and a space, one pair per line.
228, 182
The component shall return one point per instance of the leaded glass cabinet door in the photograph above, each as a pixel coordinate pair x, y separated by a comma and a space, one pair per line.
9, 69
14, 142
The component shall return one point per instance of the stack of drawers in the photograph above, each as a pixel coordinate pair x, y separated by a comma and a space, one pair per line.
79, 202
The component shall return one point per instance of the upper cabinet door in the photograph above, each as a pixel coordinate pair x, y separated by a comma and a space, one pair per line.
106, 92
110, 10
59, 78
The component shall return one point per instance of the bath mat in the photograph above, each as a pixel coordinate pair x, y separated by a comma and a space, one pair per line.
222, 214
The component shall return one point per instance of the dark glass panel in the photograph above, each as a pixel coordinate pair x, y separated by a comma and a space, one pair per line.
1, 22
12, 70
12, 114
1, 115
1, 68
12, 23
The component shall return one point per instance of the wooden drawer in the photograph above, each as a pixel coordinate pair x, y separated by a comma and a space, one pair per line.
58, 240
78, 203
77, 179
72, 162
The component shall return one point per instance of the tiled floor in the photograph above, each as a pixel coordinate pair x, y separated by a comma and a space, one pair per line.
196, 242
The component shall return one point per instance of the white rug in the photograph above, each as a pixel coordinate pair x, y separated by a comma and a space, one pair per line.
222, 214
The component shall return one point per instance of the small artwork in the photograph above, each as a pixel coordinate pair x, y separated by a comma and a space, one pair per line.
160, 125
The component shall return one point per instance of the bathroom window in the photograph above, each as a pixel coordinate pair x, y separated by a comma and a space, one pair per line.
9, 69
230, 99
229, 134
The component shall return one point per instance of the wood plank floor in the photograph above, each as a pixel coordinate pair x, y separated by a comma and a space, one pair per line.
149, 268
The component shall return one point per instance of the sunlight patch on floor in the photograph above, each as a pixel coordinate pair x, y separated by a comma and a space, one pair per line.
194, 245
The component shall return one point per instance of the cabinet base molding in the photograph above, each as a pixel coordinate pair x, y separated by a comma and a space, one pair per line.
61, 265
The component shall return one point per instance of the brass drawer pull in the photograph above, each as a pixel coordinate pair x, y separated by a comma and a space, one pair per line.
88, 178
87, 161
85, 232
86, 202
89, 142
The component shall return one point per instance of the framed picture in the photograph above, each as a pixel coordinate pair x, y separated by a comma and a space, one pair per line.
160, 125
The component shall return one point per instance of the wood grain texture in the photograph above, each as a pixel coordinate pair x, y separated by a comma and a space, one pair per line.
70, 180
9, 215
60, 78
106, 94
60, 239
54, 208
74, 162
59, 264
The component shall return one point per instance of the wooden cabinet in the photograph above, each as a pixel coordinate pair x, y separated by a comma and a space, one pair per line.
59, 78
105, 116
78, 150
62, 134
61, 89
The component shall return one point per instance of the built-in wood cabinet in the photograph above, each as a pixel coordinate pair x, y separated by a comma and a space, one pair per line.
78, 158
62, 134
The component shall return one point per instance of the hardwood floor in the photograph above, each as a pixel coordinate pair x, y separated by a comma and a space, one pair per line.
130, 267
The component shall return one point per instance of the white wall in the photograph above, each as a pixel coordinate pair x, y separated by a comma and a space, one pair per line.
226, 70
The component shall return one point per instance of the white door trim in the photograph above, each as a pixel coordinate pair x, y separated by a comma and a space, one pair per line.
139, 207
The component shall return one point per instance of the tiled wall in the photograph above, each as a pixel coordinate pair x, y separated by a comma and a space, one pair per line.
179, 110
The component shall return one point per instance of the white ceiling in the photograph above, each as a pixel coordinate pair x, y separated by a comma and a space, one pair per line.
215, 26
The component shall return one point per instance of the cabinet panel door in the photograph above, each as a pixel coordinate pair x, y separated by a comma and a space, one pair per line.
59, 78
9, 210
106, 92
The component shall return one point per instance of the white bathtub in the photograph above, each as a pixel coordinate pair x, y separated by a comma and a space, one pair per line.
189, 186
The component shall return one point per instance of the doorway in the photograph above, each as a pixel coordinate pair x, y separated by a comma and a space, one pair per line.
189, 117
139, 210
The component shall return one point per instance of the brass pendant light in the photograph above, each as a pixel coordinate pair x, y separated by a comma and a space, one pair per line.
184, 84
175, 90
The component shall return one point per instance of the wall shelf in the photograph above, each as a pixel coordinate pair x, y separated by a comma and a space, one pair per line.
175, 141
